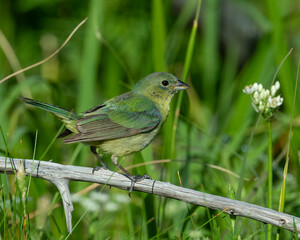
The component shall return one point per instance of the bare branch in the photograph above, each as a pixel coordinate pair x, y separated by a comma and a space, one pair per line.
60, 175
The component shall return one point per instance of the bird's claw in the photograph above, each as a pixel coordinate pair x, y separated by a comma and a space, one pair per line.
97, 168
135, 179
139, 178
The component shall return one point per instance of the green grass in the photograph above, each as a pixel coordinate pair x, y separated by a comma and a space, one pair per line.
210, 124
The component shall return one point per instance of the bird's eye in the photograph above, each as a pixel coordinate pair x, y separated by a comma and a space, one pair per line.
165, 83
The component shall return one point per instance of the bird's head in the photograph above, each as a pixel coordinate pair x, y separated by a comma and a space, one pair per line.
159, 87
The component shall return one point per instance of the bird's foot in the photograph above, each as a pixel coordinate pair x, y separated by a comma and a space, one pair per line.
135, 179
97, 168
139, 178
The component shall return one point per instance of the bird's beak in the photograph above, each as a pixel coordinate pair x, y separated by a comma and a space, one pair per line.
180, 86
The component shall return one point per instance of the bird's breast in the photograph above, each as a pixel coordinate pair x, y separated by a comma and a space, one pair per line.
164, 108
128, 145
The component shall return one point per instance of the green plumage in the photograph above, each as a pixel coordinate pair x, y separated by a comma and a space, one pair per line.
57, 111
117, 118
124, 124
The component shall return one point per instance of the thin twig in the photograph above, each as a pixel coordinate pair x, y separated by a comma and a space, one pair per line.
283, 60
46, 59
60, 175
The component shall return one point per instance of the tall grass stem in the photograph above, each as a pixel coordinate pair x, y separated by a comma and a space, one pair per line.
187, 64
270, 177
286, 165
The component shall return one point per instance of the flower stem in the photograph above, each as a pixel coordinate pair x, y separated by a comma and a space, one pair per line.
270, 177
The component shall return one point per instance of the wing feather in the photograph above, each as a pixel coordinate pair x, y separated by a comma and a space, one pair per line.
119, 119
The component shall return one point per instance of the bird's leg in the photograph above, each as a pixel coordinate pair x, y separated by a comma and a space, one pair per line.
93, 150
133, 179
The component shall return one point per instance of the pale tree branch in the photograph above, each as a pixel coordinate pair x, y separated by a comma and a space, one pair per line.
60, 175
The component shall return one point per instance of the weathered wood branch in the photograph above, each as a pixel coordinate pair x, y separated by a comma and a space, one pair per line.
60, 175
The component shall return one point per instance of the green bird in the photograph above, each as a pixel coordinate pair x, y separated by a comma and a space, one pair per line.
124, 124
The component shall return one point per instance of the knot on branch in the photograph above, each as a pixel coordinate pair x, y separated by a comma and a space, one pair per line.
282, 222
231, 211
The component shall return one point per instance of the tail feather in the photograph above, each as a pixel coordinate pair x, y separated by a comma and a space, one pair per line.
58, 111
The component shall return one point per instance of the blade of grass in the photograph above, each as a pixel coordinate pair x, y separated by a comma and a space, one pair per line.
210, 51
114, 53
169, 228
187, 64
33, 157
55, 199
270, 177
51, 143
189, 210
177, 33
90, 59
130, 222
75, 153
211, 219
280, 45
158, 36
79, 220
5, 186
244, 163
14, 62
89, 63
286, 165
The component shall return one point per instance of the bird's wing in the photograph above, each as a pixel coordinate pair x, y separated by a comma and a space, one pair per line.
117, 119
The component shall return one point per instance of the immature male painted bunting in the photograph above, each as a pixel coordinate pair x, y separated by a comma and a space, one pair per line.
124, 124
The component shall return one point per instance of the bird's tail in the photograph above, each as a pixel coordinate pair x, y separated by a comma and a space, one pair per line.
57, 111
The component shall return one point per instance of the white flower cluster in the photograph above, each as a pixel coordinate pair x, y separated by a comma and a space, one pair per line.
264, 100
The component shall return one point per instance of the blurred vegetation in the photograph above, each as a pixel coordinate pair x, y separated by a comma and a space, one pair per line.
237, 43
